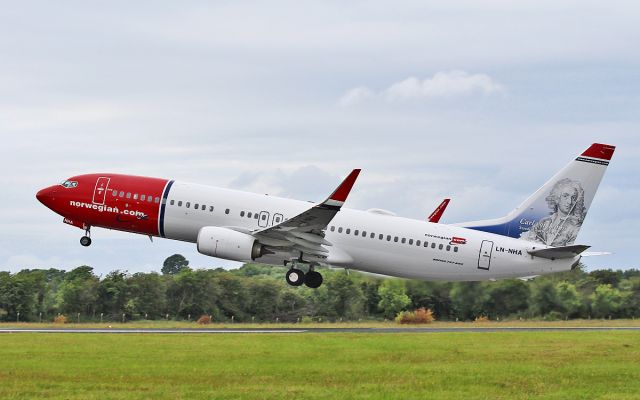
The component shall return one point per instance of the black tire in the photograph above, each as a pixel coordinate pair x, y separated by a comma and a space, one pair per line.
295, 277
85, 241
313, 279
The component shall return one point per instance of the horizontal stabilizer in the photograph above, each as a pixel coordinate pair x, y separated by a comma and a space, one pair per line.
554, 253
595, 253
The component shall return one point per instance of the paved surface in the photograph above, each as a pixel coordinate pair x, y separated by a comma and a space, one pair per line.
313, 330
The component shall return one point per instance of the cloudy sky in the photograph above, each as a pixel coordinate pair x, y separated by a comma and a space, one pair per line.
478, 101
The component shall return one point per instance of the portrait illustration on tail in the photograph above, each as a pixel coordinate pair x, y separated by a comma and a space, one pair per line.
566, 201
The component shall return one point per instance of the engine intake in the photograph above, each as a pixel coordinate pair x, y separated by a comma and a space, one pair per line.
228, 244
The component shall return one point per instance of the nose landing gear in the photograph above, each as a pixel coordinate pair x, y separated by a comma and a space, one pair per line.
86, 239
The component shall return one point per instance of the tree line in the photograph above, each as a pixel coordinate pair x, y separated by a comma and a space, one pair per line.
258, 293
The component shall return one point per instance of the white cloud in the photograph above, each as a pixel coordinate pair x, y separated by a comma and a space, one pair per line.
355, 96
447, 84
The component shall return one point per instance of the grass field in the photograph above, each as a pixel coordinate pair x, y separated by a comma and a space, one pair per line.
550, 365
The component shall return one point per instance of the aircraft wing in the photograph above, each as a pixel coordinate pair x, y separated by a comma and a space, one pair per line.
437, 213
305, 231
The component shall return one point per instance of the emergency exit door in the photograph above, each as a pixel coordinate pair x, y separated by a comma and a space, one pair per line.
100, 191
484, 258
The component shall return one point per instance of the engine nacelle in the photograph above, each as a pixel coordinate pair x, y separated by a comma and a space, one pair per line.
229, 244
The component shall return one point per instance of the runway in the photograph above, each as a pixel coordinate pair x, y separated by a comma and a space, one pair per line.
201, 331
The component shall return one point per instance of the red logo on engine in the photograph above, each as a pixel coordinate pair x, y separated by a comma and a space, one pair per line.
458, 240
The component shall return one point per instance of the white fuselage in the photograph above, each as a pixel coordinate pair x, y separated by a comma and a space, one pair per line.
363, 240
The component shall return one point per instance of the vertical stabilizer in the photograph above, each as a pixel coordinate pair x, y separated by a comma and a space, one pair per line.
553, 215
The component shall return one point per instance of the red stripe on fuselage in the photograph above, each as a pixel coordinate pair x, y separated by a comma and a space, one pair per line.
124, 208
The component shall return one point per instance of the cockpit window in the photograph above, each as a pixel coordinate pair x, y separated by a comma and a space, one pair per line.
69, 184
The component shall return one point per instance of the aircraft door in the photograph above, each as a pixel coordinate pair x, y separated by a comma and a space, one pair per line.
263, 219
100, 191
484, 258
277, 218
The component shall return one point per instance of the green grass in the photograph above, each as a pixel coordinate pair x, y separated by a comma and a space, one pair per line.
550, 365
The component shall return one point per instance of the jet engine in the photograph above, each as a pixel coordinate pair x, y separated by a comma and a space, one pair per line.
229, 244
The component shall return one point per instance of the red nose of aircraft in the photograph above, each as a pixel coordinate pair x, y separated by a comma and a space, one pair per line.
47, 195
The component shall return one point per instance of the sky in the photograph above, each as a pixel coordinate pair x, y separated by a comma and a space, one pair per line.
481, 102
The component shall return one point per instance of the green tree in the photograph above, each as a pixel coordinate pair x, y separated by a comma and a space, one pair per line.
606, 301
148, 295
568, 299
345, 295
544, 299
112, 292
174, 264
507, 297
78, 292
393, 297
435, 296
468, 299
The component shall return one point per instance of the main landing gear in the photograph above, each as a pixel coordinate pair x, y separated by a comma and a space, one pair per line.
296, 277
86, 239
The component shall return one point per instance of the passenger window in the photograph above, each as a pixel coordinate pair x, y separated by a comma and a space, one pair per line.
356, 232
249, 214
388, 238
395, 239
373, 235
418, 243
242, 213
277, 220
115, 193
121, 194
333, 228
264, 216
157, 200
188, 204
150, 199
135, 196
348, 231
211, 208
440, 246
340, 230
433, 245
404, 240
143, 197
255, 216
426, 244
203, 207
364, 233
180, 203
455, 249
171, 202
410, 241
227, 211
128, 195
448, 247
196, 206
381, 236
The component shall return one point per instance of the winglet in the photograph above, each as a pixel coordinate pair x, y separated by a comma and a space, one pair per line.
437, 213
339, 196
599, 151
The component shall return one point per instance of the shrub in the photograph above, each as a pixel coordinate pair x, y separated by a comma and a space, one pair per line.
419, 316
482, 318
204, 319
60, 319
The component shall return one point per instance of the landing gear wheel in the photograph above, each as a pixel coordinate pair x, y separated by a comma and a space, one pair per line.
85, 241
295, 277
313, 279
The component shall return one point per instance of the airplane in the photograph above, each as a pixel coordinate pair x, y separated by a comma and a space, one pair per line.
437, 213
536, 238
